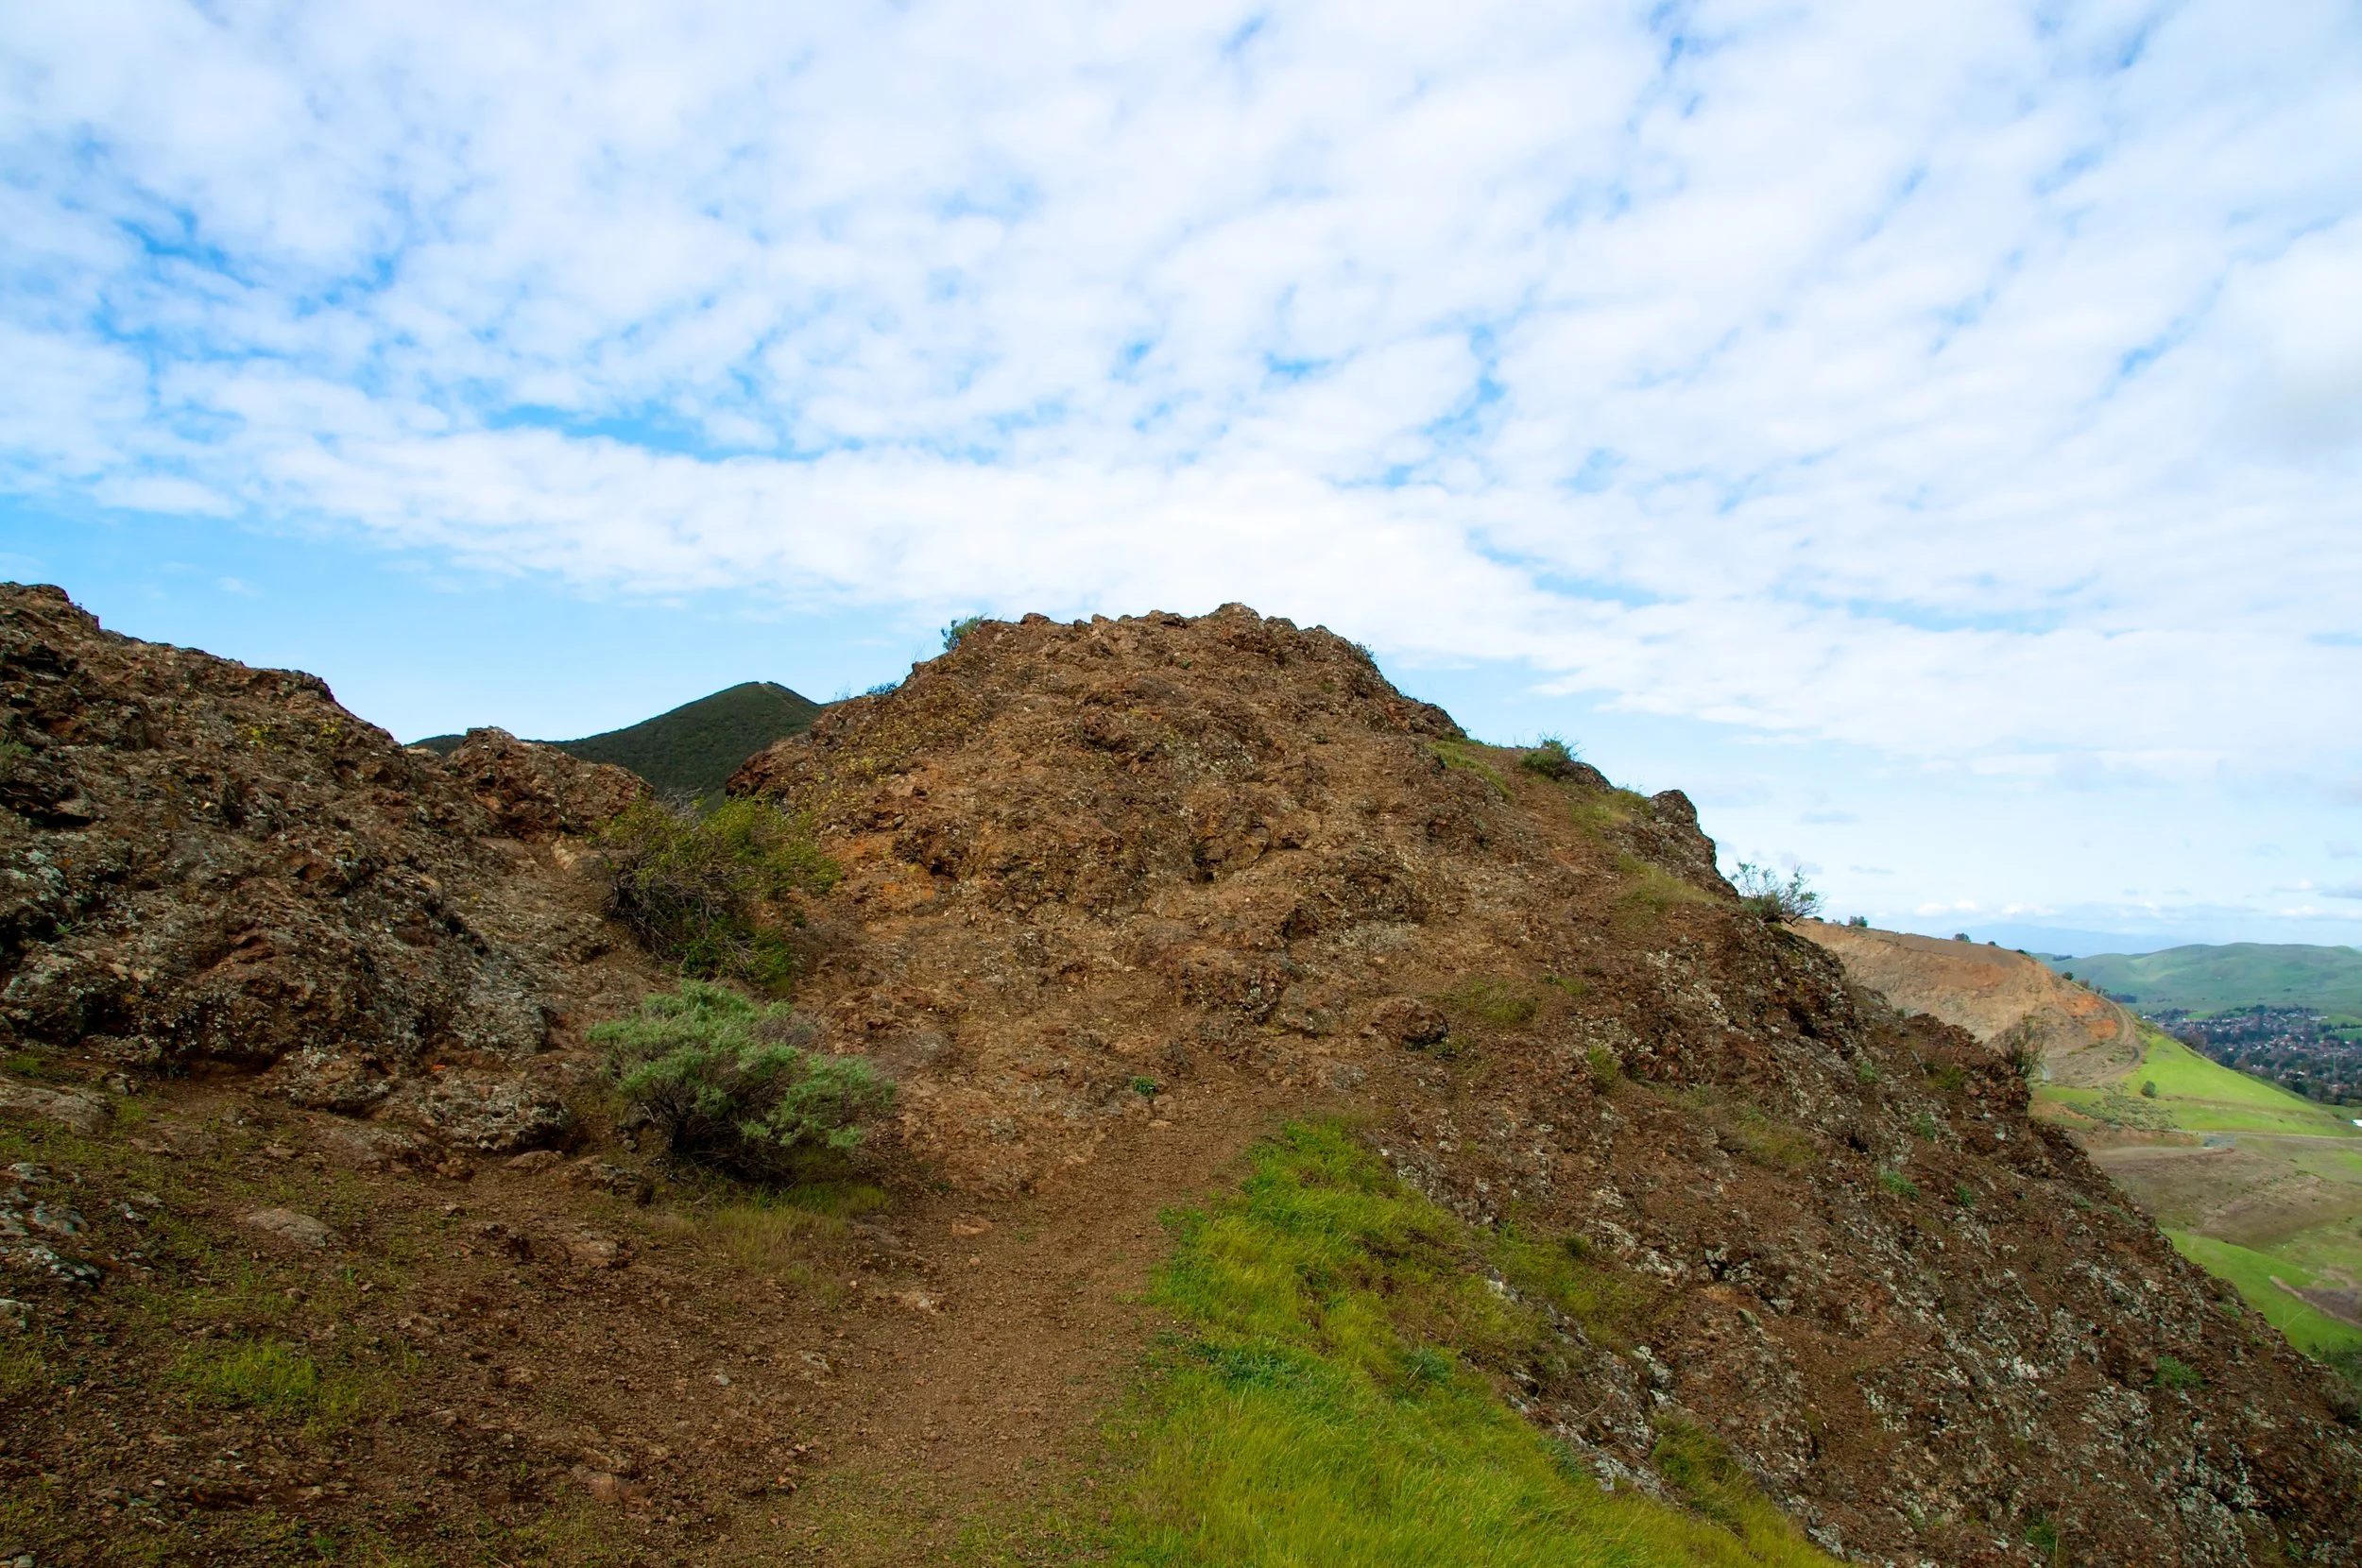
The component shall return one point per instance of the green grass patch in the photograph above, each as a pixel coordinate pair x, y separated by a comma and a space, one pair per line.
1467, 756
1324, 1403
1601, 814
23, 1371
1650, 891
274, 1376
1498, 1003
2308, 1328
1752, 1133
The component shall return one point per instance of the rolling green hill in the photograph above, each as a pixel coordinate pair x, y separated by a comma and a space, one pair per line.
2241, 973
2253, 1183
694, 749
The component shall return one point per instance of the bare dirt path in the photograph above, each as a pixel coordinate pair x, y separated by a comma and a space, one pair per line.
978, 1374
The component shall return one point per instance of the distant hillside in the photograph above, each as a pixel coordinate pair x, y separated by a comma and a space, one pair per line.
2241, 974
693, 748
2003, 997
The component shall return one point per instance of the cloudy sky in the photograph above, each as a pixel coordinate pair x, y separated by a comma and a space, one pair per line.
1928, 433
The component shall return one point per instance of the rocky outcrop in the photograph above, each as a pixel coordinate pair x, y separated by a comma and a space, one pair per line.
535, 791
1087, 863
205, 866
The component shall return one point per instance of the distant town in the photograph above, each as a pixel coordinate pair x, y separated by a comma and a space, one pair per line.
2303, 1050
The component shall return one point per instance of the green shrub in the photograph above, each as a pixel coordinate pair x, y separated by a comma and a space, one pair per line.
2174, 1372
1551, 758
1859, 922
1924, 1125
1772, 900
958, 629
735, 1085
710, 893
1898, 1183
1605, 1066
2149, 1088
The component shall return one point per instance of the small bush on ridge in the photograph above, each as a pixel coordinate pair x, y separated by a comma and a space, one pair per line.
734, 1084
1761, 890
709, 892
1551, 758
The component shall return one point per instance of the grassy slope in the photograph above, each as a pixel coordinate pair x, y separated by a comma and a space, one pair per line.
2195, 1095
2241, 973
1326, 1401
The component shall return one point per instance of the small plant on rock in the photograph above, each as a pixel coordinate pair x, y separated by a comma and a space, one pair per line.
1771, 900
2174, 1372
737, 1086
958, 629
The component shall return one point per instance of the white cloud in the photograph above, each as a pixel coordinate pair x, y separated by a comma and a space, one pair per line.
1964, 381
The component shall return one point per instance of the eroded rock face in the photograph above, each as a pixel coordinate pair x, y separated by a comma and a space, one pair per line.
1122, 869
204, 865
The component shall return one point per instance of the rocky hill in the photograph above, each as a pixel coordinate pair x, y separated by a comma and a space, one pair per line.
2005, 998
1119, 897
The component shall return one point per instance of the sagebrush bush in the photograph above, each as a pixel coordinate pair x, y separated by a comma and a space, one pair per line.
735, 1084
1761, 891
710, 892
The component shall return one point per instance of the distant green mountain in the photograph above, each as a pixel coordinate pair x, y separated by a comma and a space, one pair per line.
694, 749
2240, 974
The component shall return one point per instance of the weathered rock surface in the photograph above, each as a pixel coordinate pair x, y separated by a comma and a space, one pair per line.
537, 792
207, 867
1088, 861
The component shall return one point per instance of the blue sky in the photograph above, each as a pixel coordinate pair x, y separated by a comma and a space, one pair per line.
1928, 434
